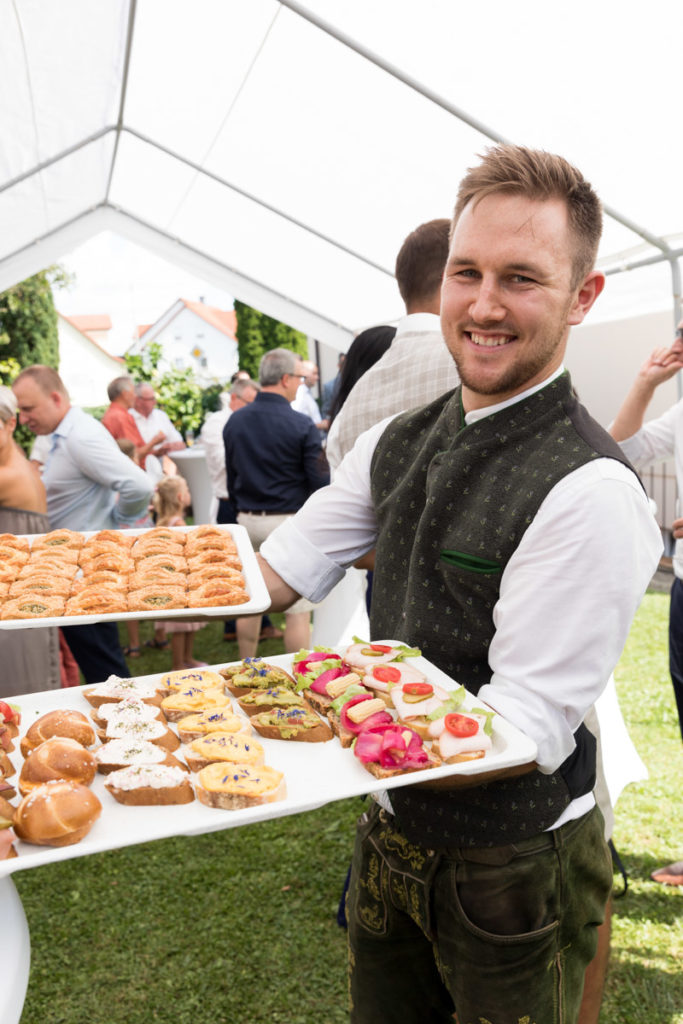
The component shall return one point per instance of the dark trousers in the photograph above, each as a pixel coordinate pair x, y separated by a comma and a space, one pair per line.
676, 646
97, 650
500, 934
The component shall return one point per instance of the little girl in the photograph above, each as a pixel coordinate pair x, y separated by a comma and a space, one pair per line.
171, 498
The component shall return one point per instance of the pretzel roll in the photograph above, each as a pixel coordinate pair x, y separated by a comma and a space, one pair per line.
68, 724
57, 813
29, 606
57, 758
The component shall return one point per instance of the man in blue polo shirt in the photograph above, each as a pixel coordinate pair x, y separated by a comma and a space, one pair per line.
274, 460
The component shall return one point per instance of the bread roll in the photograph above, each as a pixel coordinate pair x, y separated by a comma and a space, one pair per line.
68, 724
57, 813
57, 758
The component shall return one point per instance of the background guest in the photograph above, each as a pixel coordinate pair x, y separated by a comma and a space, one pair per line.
30, 657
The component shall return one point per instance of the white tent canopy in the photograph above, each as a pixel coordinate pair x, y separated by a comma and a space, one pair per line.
283, 151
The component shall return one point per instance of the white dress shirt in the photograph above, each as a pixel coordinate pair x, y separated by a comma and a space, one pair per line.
90, 483
567, 596
211, 437
657, 440
306, 403
416, 368
149, 426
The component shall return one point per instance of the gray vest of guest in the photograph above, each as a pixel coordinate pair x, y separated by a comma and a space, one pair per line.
453, 503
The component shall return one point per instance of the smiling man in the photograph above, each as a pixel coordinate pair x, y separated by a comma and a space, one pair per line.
514, 543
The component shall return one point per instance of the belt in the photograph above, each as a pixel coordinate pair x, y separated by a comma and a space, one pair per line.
266, 512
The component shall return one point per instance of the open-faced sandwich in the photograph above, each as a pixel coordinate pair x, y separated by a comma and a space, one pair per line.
417, 704
182, 679
191, 701
355, 710
362, 655
150, 784
391, 750
462, 736
274, 698
193, 727
254, 674
292, 724
234, 787
235, 748
116, 688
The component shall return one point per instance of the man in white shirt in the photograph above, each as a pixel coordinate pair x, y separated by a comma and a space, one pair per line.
242, 392
494, 510
151, 421
90, 485
417, 367
644, 444
304, 401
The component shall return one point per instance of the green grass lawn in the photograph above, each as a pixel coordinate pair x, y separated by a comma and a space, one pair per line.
240, 926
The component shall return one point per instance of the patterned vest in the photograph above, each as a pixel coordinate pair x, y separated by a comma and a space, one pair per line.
453, 503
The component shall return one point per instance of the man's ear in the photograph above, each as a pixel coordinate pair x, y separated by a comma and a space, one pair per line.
585, 297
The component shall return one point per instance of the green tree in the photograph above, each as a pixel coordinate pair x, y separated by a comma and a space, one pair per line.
178, 392
28, 330
28, 322
258, 333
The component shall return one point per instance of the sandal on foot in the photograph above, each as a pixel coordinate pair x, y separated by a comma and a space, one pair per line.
157, 645
131, 652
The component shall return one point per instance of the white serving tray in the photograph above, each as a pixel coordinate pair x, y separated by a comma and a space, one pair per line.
315, 773
259, 598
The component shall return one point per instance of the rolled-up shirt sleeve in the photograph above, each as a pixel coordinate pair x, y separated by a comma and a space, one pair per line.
312, 550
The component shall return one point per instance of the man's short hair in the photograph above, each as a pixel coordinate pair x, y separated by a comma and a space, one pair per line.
535, 174
140, 386
243, 384
8, 404
421, 260
47, 379
118, 386
275, 364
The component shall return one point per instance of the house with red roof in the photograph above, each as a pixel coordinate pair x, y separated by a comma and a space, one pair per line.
192, 334
85, 365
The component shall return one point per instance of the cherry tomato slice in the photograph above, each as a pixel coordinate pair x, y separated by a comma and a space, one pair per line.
460, 725
373, 650
386, 673
418, 689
